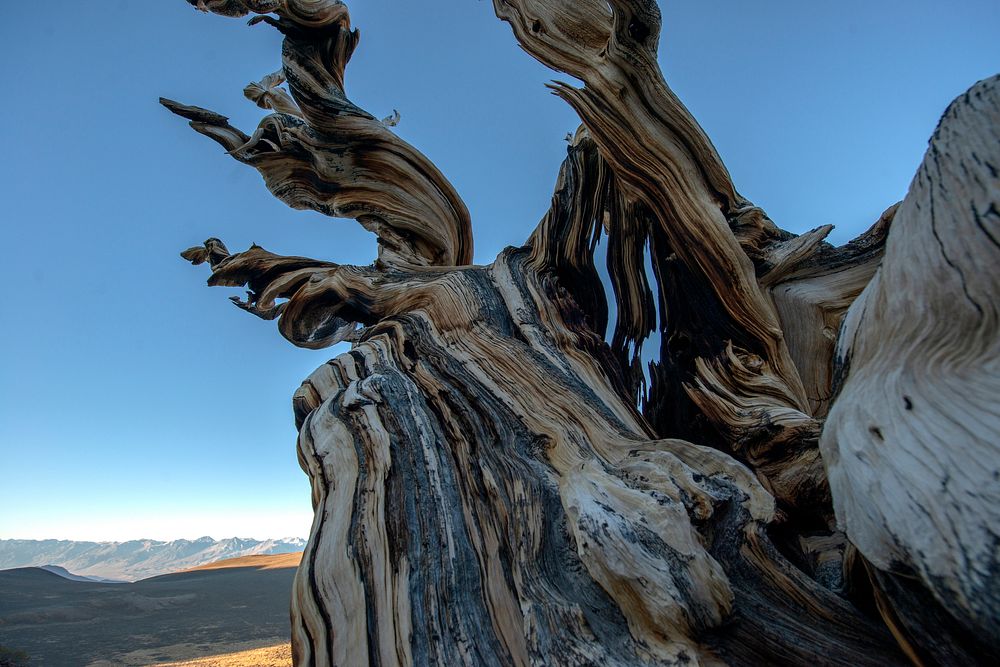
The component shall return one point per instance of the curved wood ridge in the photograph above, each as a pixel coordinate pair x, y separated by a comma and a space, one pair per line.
912, 442
493, 483
727, 342
321, 152
479, 524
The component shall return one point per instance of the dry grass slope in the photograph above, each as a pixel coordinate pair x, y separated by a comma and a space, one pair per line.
267, 562
269, 656
274, 652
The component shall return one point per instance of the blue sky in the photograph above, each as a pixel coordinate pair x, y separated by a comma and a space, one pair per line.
135, 402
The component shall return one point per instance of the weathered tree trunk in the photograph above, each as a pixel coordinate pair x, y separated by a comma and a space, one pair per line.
487, 490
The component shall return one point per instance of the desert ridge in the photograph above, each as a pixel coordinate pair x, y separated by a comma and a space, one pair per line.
264, 562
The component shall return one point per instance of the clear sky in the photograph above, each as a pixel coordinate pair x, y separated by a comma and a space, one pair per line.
135, 402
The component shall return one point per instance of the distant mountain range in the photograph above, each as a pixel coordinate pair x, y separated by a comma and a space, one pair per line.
138, 559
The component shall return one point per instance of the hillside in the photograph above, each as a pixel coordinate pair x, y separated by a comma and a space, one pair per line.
66, 574
136, 559
268, 562
224, 608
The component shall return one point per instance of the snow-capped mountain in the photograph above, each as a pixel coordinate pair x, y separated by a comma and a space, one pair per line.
137, 559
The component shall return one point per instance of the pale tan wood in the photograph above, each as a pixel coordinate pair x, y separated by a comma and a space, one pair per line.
495, 484
912, 442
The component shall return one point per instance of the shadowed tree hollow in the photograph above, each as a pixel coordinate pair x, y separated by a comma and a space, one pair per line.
809, 474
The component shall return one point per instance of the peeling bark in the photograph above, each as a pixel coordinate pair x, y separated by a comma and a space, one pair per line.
493, 483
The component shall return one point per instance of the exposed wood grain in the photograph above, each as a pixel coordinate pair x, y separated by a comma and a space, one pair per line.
494, 484
546, 531
912, 442
321, 152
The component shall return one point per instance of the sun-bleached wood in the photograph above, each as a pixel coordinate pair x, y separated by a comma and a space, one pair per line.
671, 170
319, 151
912, 442
493, 483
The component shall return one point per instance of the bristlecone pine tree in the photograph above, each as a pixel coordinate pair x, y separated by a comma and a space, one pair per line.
811, 476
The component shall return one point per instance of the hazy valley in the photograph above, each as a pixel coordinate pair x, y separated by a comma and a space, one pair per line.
237, 606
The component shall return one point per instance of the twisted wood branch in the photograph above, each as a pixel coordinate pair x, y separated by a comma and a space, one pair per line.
322, 152
664, 162
486, 488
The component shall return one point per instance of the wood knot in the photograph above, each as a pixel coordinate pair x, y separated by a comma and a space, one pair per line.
638, 30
